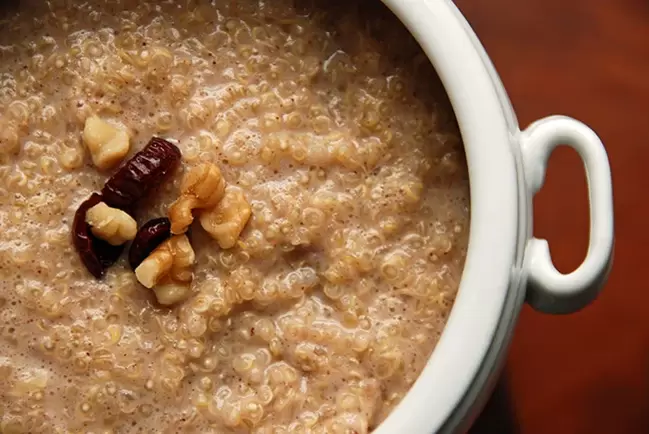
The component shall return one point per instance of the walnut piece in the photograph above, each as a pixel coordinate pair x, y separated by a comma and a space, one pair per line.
168, 270
171, 293
227, 219
202, 187
111, 224
107, 144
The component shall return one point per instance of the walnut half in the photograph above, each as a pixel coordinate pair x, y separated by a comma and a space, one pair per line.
201, 187
168, 270
226, 220
111, 224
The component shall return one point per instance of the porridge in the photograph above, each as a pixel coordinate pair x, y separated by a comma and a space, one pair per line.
321, 264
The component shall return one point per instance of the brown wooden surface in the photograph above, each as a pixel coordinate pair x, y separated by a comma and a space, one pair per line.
587, 372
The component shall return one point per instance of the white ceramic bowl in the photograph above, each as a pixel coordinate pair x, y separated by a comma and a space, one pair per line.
505, 265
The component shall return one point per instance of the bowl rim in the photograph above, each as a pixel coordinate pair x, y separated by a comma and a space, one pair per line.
461, 64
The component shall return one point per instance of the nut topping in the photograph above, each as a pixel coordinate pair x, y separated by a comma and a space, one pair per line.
111, 224
107, 144
96, 254
226, 220
201, 188
170, 263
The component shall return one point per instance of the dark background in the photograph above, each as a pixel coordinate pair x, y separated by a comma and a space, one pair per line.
587, 372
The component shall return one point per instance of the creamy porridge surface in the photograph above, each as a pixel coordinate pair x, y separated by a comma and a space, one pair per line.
330, 120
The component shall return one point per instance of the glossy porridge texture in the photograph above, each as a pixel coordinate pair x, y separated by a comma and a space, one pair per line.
331, 121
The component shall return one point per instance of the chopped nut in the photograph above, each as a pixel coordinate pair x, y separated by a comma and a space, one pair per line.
111, 224
156, 265
172, 258
171, 293
226, 220
108, 144
168, 270
202, 187
97, 255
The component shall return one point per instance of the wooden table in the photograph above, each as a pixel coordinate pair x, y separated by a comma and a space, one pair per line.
587, 372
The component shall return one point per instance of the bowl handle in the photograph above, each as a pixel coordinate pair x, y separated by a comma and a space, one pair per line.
549, 290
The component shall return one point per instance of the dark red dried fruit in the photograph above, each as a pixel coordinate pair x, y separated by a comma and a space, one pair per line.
96, 254
146, 170
151, 235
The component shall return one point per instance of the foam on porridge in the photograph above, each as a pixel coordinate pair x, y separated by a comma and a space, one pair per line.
330, 119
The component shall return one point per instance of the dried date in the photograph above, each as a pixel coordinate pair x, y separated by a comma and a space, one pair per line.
146, 170
151, 235
96, 254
